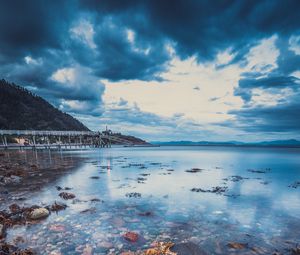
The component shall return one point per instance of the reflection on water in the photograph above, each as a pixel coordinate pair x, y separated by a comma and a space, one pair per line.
257, 207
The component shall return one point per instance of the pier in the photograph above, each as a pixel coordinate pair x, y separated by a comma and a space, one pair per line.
59, 139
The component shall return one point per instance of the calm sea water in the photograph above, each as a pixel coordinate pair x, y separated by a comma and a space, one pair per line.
258, 207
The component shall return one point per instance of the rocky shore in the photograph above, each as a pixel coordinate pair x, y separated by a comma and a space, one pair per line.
22, 175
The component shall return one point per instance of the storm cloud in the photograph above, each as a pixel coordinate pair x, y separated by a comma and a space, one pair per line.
64, 50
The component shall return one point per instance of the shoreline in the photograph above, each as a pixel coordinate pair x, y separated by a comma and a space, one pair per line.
229, 145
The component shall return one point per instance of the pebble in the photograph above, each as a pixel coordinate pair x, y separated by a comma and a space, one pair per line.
131, 236
39, 213
105, 244
188, 248
57, 228
88, 250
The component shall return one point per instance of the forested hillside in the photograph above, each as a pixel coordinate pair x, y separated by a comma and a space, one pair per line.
22, 110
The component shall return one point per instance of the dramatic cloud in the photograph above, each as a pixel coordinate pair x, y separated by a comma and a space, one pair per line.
203, 28
190, 62
284, 88
279, 118
271, 84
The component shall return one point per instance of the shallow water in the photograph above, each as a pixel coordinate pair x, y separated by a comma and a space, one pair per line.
260, 209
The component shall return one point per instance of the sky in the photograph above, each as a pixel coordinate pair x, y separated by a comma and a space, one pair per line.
161, 70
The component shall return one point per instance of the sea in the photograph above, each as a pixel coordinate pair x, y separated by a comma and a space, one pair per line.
211, 196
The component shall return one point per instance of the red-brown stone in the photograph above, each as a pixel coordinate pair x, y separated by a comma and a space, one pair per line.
131, 236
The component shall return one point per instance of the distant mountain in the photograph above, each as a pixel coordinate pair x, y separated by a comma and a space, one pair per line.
279, 143
22, 110
196, 143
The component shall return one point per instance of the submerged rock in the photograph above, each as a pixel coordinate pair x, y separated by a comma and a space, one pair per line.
66, 195
95, 177
14, 208
217, 190
60, 188
295, 251
88, 250
237, 178
39, 213
295, 185
161, 248
188, 248
238, 246
57, 228
89, 210
13, 179
259, 171
6, 248
96, 200
144, 174
57, 207
131, 236
194, 170
133, 194
145, 214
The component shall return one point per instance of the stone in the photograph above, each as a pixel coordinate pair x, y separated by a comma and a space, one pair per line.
57, 206
238, 246
88, 250
2, 231
295, 251
66, 195
57, 228
95, 177
194, 170
118, 222
13, 179
39, 213
160, 248
105, 244
131, 236
147, 214
133, 194
188, 248
14, 208
89, 210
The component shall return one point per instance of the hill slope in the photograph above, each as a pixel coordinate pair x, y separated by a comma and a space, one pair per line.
22, 110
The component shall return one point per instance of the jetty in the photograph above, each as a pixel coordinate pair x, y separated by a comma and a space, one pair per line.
59, 139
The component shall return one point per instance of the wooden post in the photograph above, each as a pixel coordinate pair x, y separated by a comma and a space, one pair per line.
5, 142
48, 142
45, 142
33, 138
59, 142
2, 137
20, 142
100, 141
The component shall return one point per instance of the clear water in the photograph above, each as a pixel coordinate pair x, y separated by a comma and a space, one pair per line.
260, 210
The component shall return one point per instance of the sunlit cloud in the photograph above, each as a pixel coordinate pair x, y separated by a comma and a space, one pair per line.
201, 72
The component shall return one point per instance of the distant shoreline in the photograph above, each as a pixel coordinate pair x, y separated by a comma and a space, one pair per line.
230, 145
